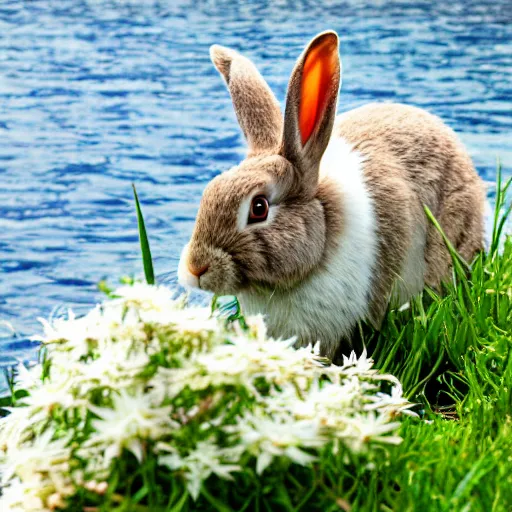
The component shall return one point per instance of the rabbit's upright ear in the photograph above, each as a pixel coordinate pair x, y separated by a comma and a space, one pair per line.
255, 105
311, 106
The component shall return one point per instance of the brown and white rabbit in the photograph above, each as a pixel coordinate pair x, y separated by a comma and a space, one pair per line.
322, 225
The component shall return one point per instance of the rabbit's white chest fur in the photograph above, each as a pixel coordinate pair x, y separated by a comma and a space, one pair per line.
327, 305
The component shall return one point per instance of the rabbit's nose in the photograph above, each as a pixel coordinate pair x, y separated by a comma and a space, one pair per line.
198, 272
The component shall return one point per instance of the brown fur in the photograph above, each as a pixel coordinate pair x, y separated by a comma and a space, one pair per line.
414, 159
268, 258
255, 105
332, 204
410, 157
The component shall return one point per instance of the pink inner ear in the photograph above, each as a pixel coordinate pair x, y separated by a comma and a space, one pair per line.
320, 65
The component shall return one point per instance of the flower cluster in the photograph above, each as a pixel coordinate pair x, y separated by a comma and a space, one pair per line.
144, 377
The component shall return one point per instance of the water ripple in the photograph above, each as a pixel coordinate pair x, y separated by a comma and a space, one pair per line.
97, 94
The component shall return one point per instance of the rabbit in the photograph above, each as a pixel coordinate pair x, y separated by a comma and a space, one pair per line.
323, 224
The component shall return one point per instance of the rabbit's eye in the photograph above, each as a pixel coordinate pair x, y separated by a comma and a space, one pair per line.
259, 209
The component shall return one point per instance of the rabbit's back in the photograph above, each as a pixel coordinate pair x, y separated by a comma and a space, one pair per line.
411, 158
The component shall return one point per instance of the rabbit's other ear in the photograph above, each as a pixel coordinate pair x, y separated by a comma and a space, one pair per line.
311, 106
255, 105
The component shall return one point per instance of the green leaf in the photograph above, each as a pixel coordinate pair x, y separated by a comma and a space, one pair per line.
144, 242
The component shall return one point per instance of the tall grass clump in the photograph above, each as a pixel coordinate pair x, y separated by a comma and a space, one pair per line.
146, 404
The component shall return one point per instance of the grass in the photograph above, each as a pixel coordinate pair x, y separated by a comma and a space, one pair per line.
147, 260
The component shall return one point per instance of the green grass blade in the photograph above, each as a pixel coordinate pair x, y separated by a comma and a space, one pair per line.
500, 222
497, 209
461, 268
144, 242
503, 220
459, 263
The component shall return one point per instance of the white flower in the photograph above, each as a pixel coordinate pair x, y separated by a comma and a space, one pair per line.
16, 428
152, 303
116, 367
328, 403
131, 420
35, 495
16, 497
145, 296
71, 330
192, 326
277, 436
206, 459
54, 391
35, 474
71, 339
240, 361
393, 404
370, 427
355, 365
27, 378
42, 455
257, 327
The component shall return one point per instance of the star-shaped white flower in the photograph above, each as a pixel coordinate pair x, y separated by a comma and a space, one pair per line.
131, 420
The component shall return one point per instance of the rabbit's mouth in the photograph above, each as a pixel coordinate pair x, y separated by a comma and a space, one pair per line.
208, 268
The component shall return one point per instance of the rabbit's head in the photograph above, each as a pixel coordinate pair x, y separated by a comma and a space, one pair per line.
263, 223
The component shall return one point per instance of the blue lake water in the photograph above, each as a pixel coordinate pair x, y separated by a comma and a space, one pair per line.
97, 94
